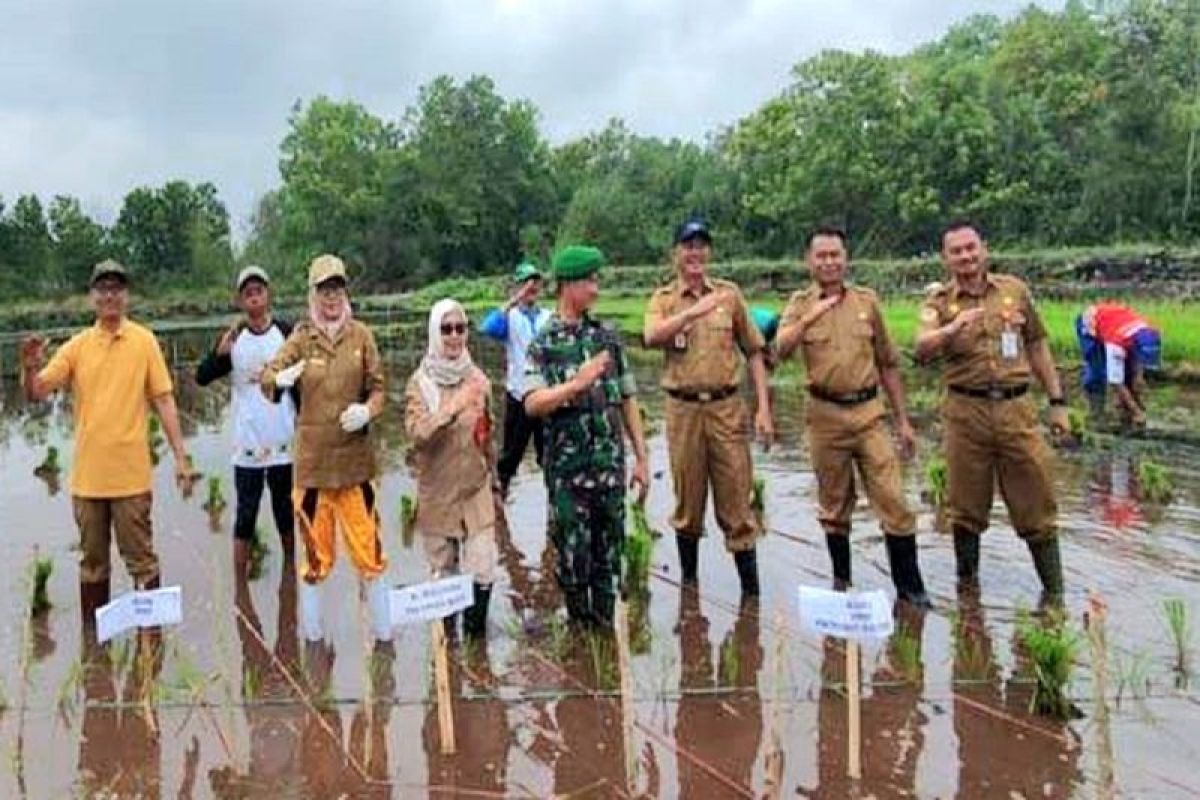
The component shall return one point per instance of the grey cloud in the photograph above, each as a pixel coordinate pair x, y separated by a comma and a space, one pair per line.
97, 97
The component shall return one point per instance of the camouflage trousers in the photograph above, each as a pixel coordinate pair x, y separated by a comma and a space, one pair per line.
587, 526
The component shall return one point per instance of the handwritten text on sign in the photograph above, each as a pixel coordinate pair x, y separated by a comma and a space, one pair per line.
864, 615
139, 610
429, 601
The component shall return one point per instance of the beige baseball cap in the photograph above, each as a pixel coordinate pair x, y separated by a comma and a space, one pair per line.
252, 272
324, 267
106, 268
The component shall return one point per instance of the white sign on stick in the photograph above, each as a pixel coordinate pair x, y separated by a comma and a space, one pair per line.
847, 615
139, 609
426, 602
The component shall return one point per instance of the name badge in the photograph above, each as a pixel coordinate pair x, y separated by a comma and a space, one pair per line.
681, 341
1009, 346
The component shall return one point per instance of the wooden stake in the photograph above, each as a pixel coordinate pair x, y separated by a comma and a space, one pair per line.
854, 759
441, 672
621, 623
773, 762
1097, 613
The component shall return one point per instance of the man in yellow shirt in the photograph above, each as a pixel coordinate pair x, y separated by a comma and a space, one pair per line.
114, 370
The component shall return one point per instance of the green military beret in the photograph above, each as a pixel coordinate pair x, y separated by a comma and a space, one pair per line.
576, 262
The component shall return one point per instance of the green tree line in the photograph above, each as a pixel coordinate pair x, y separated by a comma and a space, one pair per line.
1076, 127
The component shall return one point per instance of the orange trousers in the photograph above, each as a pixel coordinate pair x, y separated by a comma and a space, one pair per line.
353, 510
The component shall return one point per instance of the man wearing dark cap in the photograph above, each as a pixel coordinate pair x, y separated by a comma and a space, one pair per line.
579, 381
262, 430
114, 370
515, 326
705, 330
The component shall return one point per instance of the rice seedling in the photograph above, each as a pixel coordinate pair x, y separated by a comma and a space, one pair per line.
1175, 612
39, 601
936, 481
215, 502
1155, 482
154, 438
758, 498
408, 519
730, 663
1133, 675
638, 548
972, 659
258, 555
50, 465
906, 654
1052, 646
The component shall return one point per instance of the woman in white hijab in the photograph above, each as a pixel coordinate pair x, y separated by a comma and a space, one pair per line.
448, 422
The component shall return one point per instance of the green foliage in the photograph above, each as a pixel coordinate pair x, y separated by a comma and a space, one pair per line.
1052, 646
1175, 612
258, 555
50, 464
1155, 482
39, 602
935, 481
758, 492
215, 502
639, 546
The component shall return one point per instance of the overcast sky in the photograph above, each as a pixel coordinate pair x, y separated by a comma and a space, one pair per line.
98, 96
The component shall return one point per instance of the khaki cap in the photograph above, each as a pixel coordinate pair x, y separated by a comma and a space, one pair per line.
106, 268
325, 267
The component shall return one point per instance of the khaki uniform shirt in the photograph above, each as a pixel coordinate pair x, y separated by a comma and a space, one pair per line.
978, 356
703, 357
845, 350
454, 478
336, 374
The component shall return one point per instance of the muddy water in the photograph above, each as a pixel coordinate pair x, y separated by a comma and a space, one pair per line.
238, 707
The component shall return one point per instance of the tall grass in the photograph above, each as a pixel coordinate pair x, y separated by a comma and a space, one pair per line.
1175, 612
639, 544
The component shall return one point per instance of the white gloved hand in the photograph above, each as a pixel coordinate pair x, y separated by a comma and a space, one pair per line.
355, 417
286, 378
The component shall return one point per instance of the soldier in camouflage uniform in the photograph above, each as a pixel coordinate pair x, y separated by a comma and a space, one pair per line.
579, 380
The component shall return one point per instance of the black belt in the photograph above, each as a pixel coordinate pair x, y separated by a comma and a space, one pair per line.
993, 392
703, 397
848, 399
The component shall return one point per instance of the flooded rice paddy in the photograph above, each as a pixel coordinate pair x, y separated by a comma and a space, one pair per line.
728, 700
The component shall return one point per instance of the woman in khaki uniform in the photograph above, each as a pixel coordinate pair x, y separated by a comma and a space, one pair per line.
333, 359
449, 426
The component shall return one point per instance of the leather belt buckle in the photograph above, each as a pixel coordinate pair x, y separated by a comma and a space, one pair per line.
996, 393
704, 397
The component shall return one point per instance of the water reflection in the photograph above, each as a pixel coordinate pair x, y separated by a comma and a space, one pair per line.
718, 727
1003, 750
274, 715
119, 745
892, 724
482, 733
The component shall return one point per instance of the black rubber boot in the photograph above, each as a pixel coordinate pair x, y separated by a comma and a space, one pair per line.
475, 617
966, 558
689, 557
1048, 563
906, 570
839, 554
747, 570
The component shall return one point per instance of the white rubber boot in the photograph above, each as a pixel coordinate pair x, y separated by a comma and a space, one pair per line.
310, 611
379, 609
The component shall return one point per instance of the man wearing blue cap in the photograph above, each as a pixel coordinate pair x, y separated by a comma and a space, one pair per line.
705, 330
1118, 346
515, 326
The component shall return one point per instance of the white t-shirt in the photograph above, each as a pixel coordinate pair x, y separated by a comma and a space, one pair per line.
521, 332
262, 430
1114, 364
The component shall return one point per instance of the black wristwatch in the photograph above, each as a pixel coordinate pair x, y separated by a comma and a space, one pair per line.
1058, 401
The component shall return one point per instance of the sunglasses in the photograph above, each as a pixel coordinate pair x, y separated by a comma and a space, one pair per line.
454, 327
